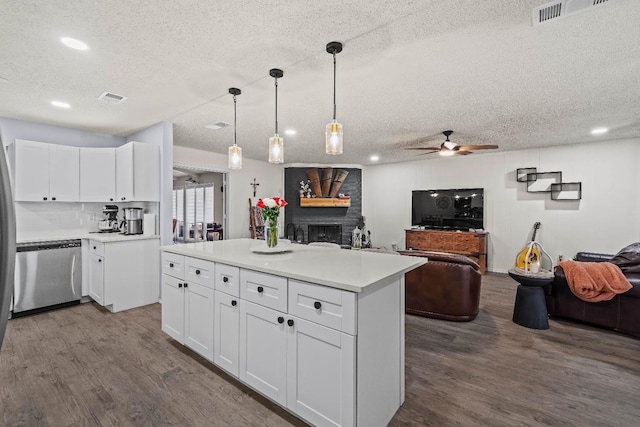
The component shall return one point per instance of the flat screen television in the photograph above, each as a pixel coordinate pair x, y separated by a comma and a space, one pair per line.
453, 209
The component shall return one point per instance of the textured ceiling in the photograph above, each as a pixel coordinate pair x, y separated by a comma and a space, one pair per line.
409, 70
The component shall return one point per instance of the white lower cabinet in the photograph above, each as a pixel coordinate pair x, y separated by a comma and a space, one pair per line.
173, 308
226, 332
96, 278
198, 319
321, 375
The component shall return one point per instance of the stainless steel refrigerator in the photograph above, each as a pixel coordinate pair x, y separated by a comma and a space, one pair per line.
7, 242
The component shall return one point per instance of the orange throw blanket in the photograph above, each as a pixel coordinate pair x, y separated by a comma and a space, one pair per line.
595, 281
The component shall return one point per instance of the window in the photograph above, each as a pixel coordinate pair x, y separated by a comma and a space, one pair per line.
193, 213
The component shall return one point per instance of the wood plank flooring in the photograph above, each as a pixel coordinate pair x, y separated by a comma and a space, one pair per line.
85, 366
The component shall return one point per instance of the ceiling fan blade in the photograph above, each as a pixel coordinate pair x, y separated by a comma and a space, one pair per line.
423, 148
476, 147
430, 152
463, 153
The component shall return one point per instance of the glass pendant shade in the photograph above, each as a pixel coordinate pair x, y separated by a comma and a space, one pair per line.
333, 138
276, 149
235, 157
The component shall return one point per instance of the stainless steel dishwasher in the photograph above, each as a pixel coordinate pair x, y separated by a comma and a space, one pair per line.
48, 275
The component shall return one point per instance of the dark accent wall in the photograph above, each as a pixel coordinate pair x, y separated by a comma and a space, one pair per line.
349, 217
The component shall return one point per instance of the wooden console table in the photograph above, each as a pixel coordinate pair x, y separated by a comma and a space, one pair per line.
471, 244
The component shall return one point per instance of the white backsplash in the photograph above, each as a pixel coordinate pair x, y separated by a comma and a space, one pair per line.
55, 219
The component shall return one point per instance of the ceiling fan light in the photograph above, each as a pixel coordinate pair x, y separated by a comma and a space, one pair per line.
447, 153
450, 145
235, 157
276, 149
333, 138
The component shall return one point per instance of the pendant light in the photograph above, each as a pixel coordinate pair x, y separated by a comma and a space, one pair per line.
333, 134
235, 152
276, 143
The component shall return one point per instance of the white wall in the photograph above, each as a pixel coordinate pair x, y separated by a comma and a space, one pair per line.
161, 134
605, 220
269, 177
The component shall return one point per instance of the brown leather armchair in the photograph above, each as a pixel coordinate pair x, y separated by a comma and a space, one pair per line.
446, 287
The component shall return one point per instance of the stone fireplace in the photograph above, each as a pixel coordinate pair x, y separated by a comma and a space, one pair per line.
322, 224
331, 233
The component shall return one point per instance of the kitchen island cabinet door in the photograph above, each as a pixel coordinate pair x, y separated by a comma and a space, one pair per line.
31, 177
321, 374
96, 278
198, 323
97, 174
64, 173
226, 335
173, 308
263, 350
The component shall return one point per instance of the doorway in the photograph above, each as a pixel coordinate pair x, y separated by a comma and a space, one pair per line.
199, 204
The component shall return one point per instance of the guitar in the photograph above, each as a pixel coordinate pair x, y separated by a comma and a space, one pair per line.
534, 253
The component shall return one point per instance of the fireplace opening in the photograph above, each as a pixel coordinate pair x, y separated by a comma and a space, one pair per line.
331, 233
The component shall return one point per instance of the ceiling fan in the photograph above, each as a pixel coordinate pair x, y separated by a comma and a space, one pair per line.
448, 148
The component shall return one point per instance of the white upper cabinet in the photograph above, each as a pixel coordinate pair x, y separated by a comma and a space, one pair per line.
64, 171
138, 172
46, 172
97, 174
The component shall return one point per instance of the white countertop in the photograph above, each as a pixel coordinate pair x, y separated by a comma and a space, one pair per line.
99, 237
345, 269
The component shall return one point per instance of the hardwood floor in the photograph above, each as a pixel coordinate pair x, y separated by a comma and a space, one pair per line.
85, 366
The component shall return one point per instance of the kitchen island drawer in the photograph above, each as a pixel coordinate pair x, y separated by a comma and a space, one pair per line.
96, 248
228, 279
199, 271
264, 289
330, 307
173, 265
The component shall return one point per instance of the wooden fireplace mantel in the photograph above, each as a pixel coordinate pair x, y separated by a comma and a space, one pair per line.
324, 202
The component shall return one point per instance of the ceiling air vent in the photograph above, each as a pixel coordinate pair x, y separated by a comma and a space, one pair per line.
560, 9
111, 98
216, 126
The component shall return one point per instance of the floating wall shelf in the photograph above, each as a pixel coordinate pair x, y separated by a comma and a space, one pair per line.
320, 202
549, 182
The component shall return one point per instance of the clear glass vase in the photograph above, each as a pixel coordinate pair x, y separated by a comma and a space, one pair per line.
271, 234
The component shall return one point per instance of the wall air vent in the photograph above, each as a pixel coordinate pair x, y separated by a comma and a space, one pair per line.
111, 98
560, 9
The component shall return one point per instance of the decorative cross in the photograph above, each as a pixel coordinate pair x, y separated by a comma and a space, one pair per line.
254, 184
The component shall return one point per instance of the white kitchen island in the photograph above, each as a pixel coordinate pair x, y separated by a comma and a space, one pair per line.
319, 331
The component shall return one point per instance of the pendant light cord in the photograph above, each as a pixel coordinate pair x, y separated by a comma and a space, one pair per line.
235, 122
334, 86
276, 79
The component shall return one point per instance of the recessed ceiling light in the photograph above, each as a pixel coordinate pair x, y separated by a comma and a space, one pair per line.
599, 131
290, 132
60, 104
74, 44
374, 158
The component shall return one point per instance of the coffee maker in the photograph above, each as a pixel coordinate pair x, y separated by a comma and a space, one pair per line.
132, 221
110, 222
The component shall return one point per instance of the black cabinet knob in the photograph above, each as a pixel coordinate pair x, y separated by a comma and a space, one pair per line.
94, 248
53, 198
260, 289
44, 198
170, 264
317, 305
225, 279
198, 272
111, 199
123, 198
185, 284
234, 303
281, 319
290, 322
99, 260
179, 285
